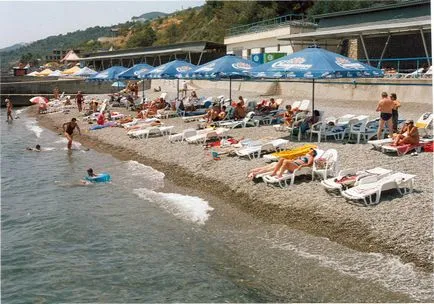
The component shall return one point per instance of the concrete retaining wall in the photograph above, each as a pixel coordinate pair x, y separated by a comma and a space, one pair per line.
45, 87
417, 90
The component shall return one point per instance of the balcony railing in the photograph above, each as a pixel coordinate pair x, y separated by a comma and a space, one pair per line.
399, 64
266, 24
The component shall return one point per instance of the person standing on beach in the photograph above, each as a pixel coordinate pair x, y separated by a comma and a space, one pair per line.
395, 115
79, 99
184, 88
56, 93
9, 107
385, 107
68, 129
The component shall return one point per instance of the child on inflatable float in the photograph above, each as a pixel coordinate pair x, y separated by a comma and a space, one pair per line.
96, 178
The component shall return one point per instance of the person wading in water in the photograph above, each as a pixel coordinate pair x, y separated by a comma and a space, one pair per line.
68, 129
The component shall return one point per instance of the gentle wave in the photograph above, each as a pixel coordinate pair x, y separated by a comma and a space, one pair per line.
190, 208
32, 126
154, 178
18, 112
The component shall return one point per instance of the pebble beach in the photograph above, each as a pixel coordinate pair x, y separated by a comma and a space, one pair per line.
402, 226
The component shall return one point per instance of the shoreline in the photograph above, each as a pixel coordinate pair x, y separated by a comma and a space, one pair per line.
351, 232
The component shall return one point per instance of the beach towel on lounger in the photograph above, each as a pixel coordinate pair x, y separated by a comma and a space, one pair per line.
292, 153
401, 150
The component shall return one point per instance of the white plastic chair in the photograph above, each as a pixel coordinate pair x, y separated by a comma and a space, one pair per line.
330, 166
304, 106
425, 122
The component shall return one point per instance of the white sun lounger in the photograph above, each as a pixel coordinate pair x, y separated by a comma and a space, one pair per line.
203, 135
144, 133
255, 151
283, 181
192, 118
369, 189
333, 183
377, 144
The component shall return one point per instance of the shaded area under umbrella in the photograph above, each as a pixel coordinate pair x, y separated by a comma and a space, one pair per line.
315, 63
172, 70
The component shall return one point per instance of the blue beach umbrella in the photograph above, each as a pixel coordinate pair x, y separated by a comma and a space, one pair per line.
228, 66
108, 74
119, 84
315, 63
135, 71
171, 70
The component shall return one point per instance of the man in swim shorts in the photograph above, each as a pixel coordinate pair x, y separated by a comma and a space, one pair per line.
68, 129
385, 107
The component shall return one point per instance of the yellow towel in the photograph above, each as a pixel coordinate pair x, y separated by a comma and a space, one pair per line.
294, 153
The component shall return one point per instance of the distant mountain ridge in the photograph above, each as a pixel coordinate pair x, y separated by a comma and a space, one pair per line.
149, 16
14, 47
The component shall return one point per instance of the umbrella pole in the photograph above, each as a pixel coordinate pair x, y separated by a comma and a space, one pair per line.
177, 89
230, 88
313, 95
143, 85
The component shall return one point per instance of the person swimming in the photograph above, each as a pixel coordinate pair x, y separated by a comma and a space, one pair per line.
37, 148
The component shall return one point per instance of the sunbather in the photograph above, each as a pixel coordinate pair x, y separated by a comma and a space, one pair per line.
292, 165
288, 116
409, 134
265, 169
222, 113
239, 112
101, 118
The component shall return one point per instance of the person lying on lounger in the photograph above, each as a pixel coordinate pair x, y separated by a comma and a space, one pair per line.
292, 165
265, 169
409, 134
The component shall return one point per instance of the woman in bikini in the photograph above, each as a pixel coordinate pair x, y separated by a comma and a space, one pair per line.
288, 116
292, 165
409, 135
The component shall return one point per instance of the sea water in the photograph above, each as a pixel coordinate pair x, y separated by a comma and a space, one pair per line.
141, 238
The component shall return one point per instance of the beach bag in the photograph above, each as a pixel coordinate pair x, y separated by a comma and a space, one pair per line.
428, 147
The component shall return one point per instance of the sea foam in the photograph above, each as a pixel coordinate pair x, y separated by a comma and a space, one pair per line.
190, 208
154, 179
32, 126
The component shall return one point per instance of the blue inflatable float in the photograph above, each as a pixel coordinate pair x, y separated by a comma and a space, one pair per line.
100, 178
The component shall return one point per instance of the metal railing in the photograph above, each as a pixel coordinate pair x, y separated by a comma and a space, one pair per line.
266, 24
410, 63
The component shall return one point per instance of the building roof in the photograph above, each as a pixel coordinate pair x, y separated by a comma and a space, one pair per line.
380, 7
70, 56
193, 47
371, 29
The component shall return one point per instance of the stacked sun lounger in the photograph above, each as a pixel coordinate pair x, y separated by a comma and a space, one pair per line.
368, 185
255, 150
144, 133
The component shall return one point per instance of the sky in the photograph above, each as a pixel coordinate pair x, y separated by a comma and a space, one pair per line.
27, 21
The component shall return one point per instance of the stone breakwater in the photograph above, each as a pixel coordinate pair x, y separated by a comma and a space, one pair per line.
398, 225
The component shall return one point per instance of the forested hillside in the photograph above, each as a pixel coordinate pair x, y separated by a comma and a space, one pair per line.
208, 22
